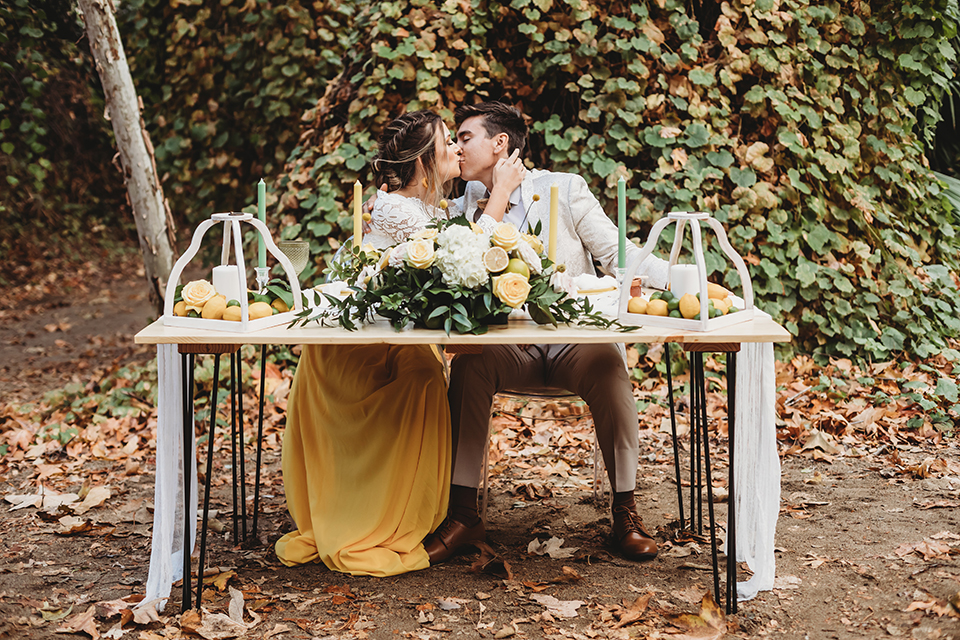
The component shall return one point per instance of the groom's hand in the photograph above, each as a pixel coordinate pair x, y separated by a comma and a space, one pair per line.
509, 172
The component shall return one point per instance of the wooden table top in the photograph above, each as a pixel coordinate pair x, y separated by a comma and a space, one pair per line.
759, 329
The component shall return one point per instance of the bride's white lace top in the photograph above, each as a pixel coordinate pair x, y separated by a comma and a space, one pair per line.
395, 218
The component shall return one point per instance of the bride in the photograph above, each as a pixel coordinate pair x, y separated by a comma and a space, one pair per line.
366, 451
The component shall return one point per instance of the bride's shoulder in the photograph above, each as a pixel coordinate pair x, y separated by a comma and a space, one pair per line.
392, 202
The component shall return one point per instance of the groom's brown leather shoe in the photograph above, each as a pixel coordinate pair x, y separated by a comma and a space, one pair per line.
450, 538
630, 537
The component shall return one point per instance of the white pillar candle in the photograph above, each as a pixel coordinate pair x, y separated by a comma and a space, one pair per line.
226, 280
684, 279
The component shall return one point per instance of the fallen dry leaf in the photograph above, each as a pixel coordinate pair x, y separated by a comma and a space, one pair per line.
551, 547
561, 608
94, 498
710, 624
72, 525
82, 623
634, 612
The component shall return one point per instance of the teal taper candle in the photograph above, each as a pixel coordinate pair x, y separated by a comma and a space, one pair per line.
262, 215
622, 222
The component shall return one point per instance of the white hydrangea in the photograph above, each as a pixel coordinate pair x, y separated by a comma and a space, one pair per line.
459, 257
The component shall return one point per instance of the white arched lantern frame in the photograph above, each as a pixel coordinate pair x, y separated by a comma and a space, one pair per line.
231, 230
705, 323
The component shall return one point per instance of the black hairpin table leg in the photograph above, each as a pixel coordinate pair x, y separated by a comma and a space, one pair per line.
186, 377
673, 431
188, 352
731, 492
243, 467
256, 485
233, 444
698, 410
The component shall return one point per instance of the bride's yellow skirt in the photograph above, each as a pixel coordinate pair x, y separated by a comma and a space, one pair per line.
366, 457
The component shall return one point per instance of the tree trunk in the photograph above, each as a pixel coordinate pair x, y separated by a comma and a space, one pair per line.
150, 209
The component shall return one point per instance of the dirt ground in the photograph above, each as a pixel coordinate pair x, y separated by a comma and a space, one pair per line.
867, 540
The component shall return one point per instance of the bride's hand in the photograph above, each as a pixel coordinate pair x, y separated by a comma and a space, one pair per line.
509, 172
367, 209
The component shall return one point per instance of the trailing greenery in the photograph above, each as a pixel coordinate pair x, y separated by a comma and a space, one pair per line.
799, 124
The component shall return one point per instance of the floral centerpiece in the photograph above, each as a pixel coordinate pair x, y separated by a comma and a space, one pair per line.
455, 277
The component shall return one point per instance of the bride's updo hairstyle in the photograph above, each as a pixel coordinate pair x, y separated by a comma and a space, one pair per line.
409, 138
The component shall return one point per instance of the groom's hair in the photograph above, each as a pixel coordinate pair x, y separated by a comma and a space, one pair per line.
497, 118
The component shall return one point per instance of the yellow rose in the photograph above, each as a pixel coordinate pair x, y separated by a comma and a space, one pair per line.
533, 241
196, 294
511, 288
426, 234
505, 236
420, 254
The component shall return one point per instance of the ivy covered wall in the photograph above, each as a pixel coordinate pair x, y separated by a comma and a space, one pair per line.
799, 124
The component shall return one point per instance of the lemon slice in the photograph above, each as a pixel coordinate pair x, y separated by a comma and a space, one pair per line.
495, 259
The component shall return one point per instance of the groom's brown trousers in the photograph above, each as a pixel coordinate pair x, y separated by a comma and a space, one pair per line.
595, 372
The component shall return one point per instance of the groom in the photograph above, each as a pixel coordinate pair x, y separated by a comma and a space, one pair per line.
487, 134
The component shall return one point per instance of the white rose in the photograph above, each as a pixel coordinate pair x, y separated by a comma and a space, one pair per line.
505, 236
531, 257
533, 241
420, 254
425, 234
196, 294
562, 282
512, 289
397, 256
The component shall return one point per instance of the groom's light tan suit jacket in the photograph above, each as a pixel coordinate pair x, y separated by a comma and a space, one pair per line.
584, 232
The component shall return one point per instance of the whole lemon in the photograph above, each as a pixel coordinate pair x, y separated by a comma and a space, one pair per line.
516, 265
657, 308
716, 292
260, 310
689, 305
180, 309
213, 308
637, 305
280, 305
232, 313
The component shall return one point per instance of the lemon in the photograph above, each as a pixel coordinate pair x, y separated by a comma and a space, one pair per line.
496, 260
516, 265
180, 309
260, 310
723, 304
232, 313
689, 305
280, 305
213, 308
716, 292
637, 305
657, 308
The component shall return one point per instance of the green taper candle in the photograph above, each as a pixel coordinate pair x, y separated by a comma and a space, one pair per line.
622, 222
262, 215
